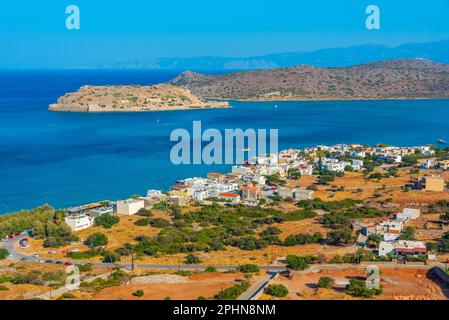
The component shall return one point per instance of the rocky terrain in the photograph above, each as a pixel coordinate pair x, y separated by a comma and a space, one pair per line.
392, 79
161, 97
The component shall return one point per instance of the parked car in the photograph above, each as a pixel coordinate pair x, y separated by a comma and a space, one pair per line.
67, 264
75, 250
59, 262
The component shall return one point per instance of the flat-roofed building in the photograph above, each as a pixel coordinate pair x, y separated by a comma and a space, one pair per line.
303, 194
130, 207
433, 183
78, 222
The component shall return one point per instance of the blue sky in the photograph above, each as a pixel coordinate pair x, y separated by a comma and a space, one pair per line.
33, 34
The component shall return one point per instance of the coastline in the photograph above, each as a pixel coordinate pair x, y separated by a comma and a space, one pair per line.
392, 150
331, 100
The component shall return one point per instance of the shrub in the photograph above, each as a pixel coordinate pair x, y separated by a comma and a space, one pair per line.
158, 222
233, 292
142, 222
3, 253
66, 296
210, 269
357, 288
192, 259
138, 293
84, 267
325, 282
3, 288
248, 268
276, 290
143, 212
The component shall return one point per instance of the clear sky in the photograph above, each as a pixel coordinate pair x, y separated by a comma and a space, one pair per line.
33, 33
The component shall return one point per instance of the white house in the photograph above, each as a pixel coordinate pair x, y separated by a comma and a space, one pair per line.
386, 248
408, 214
391, 235
154, 193
200, 195
79, 222
301, 194
130, 207
232, 197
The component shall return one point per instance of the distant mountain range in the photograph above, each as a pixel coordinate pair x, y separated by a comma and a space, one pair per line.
333, 57
391, 79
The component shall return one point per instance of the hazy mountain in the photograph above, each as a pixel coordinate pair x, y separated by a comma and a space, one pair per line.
333, 57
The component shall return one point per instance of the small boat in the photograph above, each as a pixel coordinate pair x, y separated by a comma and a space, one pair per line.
246, 150
442, 141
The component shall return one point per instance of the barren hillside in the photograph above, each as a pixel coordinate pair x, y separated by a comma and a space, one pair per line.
392, 79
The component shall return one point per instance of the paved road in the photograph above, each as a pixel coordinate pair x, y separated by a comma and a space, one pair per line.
14, 254
12, 244
257, 287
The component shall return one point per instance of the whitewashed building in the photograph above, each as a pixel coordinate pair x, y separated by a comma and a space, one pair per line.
79, 222
130, 207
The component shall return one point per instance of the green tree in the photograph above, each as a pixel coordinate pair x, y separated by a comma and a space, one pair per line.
109, 257
374, 240
106, 221
408, 234
340, 237
294, 173
296, 262
97, 240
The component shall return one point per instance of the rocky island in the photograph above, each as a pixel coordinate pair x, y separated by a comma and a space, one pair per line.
162, 97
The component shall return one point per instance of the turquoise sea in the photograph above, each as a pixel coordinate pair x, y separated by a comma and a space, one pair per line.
67, 159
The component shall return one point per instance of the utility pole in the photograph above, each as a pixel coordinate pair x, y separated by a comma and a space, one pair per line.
132, 258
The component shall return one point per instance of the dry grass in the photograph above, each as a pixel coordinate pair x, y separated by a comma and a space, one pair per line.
398, 284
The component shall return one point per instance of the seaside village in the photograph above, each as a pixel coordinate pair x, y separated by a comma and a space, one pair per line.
250, 183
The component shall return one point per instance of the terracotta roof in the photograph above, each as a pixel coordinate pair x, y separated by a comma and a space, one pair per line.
180, 186
248, 188
229, 195
394, 231
215, 174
